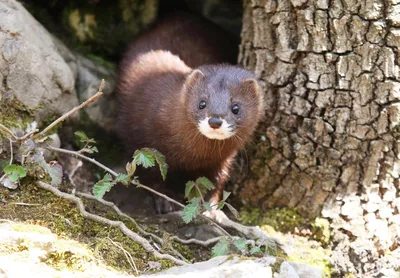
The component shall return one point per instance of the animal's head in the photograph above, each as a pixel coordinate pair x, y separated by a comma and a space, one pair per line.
223, 101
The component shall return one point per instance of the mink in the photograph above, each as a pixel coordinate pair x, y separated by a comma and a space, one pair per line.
178, 94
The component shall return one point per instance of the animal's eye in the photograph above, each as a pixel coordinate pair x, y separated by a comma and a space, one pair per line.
235, 109
202, 104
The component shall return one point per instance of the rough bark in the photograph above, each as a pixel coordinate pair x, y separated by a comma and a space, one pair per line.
330, 139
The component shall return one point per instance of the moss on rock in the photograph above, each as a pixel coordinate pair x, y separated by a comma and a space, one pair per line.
64, 219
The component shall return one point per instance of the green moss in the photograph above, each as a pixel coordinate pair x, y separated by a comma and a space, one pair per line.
318, 256
63, 218
283, 219
286, 220
13, 114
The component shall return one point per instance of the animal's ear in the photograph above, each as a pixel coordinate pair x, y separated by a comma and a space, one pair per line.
252, 86
193, 77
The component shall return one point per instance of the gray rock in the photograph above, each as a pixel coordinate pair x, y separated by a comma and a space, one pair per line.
88, 75
235, 267
35, 78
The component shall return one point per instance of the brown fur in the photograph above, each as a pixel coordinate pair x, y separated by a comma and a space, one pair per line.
159, 95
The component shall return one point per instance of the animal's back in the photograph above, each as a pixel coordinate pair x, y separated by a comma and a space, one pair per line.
194, 40
145, 90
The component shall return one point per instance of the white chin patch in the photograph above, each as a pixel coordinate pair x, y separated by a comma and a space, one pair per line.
220, 133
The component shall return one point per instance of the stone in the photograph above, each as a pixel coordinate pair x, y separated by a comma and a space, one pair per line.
88, 74
352, 207
103, 111
35, 78
224, 266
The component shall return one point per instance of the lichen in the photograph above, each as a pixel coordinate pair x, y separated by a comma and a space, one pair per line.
321, 230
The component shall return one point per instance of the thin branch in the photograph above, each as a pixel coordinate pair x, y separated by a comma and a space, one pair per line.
71, 175
75, 109
127, 255
8, 131
118, 224
11, 152
24, 204
29, 134
208, 242
92, 160
120, 213
138, 184
205, 243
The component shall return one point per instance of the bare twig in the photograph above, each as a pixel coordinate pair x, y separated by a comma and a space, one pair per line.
208, 242
120, 213
8, 131
138, 184
127, 255
26, 136
118, 224
92, 160
15, 137
11, 152
24, 204
204, 243
75, 109
71, 175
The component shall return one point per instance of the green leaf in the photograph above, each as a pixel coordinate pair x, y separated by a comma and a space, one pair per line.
122, 178
14, 172
206, 183
81, 136
131, 168
191, 210
188, 189
255, 251
233, 210
221, 204
148, 157
102, 186
160, 159
90, 150
241, 244
207, 206
221, 248
144, 157
225, 195
55, 172
198, 189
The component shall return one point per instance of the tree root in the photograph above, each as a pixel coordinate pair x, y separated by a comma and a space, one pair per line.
118, 224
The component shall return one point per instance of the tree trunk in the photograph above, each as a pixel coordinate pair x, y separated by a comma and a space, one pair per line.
329, 142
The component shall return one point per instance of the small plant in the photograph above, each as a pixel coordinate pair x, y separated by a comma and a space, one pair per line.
30, 150
145, 157
12, 174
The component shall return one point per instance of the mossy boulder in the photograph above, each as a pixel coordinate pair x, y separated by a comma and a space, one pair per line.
36, 82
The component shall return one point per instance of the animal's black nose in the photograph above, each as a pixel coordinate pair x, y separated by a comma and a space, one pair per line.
215, 123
